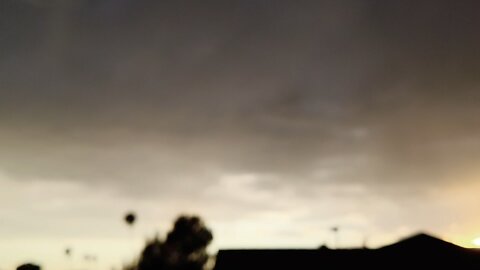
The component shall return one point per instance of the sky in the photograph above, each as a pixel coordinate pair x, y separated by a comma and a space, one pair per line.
273, 120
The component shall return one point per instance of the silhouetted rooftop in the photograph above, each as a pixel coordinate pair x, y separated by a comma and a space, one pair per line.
420, 250
423, 242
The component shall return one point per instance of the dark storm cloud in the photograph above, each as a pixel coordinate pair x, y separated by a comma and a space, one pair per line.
372, 92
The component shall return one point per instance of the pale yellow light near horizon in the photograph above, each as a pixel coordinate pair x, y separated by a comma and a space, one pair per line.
476, 241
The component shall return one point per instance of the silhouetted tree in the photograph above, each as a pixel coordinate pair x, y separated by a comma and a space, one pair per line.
335, 235
130, 218
183, 249
28, 266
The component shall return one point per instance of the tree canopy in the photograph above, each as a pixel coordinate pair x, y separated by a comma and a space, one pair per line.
183, 249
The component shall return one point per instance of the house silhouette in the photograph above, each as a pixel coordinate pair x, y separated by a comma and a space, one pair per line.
417, 251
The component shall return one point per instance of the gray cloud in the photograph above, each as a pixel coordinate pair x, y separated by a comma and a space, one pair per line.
273, 120
379, 93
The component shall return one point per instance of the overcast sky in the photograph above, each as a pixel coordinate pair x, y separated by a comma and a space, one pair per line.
273, 120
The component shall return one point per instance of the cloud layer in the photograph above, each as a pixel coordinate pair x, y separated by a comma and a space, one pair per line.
307, 110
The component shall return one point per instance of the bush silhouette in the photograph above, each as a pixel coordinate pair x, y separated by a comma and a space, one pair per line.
183, 249
28, 266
